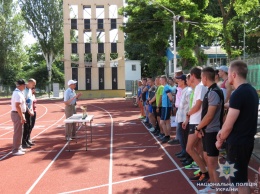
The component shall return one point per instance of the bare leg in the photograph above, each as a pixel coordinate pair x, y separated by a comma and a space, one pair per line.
192, 141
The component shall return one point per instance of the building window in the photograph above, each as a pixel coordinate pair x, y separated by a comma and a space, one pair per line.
113, 24
74, 24
100, 24
86, 24
100, 47
74, 48
113, 47
133, 67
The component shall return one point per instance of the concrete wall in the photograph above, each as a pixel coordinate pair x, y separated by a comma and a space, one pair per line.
130, 74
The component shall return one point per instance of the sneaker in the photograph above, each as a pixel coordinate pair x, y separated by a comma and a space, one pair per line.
18, 153
68, 139
208, 189
197, 172
160, 135
165, 139
204, 177
23, 150
151, 129
155, 132
193, 165
196, 177
187, 162
173, 142
26, 145
142, 117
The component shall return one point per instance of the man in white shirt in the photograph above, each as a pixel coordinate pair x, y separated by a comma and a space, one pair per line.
183, 108
194, 145
17, 115
70, 98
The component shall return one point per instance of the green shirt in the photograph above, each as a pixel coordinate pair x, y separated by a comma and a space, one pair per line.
191, 98
158, 94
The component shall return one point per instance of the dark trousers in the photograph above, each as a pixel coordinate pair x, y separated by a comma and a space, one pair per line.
27, 128
33, 118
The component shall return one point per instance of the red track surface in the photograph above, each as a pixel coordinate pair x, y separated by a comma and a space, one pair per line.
124, 158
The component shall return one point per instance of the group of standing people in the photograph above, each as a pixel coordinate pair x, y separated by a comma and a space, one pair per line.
201, 102
23, 115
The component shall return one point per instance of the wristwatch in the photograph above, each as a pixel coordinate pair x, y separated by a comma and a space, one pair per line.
196, 128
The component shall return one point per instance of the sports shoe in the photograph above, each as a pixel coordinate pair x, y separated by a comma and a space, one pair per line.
196, 177
204, 177
68, 139
26, 145
193, 165
208, 189
22, 149
18, 153
187, 162
165, 139
142, 117
197, 172
151, 129
173, 142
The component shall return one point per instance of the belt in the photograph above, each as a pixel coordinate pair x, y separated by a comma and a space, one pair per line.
17, 112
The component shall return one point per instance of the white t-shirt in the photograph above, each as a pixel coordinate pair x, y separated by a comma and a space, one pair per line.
18, 97
199, 93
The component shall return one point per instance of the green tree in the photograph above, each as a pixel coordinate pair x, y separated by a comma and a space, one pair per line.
12, 55
44, 19
36, 67
230, 9
149, 23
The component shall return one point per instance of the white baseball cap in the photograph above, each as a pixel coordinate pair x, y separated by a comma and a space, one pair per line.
224, 68
71, 82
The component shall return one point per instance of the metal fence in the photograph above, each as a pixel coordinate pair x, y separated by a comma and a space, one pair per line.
6, 91
254, 71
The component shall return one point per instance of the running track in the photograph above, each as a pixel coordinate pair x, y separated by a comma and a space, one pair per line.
124, 158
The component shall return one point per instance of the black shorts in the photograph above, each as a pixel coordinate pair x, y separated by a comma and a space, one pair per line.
166, 113
157, 114
192, 128
208, 142
240, 156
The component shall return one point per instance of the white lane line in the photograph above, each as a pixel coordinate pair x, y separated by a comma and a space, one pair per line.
110, 179
99, 124
137, 147
131, 133
253, 170
6, 127
5, 138
48, 151
173, 161
5, 122
5, 113
89, 149
38, 133
119, 182
46, 169
126, 123
5, 133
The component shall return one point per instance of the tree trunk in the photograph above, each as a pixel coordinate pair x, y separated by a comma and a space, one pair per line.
49, 60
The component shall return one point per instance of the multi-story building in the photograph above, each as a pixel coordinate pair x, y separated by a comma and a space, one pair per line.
94, 47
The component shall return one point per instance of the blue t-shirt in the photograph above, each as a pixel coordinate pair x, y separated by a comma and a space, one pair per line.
165, 99
147, 92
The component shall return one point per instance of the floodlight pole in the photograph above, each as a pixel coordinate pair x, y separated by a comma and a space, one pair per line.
174, 37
